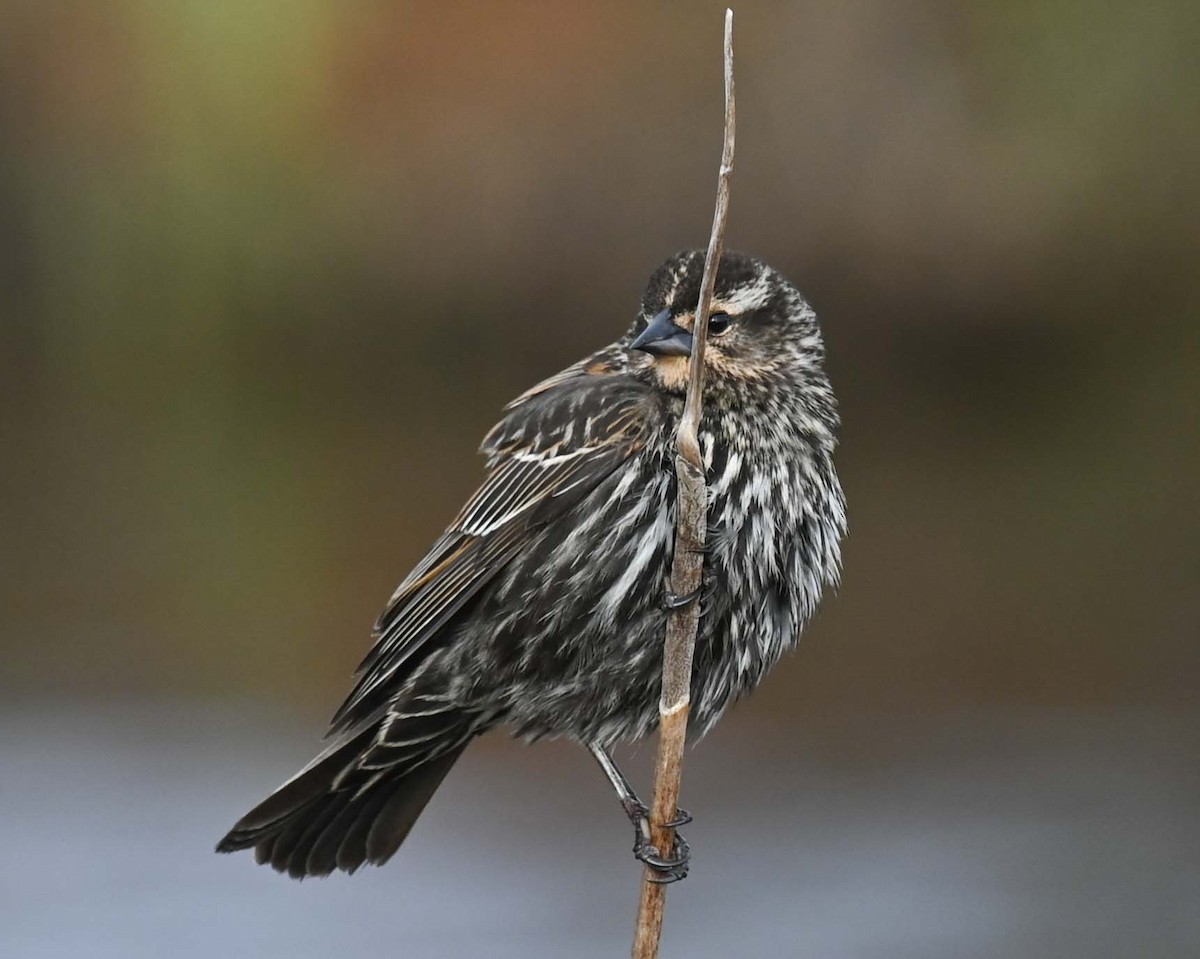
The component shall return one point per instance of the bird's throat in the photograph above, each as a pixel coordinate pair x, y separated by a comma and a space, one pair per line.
672, 372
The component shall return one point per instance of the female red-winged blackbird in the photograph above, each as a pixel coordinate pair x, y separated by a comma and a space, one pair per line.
542, 607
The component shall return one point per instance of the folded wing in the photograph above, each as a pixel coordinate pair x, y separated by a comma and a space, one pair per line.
556, 443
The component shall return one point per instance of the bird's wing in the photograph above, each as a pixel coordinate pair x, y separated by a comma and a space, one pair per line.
556, 443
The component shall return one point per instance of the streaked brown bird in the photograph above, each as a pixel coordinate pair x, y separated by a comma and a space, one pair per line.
542, 607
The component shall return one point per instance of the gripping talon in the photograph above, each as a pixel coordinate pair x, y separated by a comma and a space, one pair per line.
669, 868
682, 818
675, 601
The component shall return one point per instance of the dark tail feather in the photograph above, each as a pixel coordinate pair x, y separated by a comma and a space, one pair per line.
305, 828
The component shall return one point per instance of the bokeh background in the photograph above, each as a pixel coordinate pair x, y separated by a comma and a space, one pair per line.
269, 270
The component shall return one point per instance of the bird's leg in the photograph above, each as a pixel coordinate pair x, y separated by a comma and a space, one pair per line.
668, 868
634, 808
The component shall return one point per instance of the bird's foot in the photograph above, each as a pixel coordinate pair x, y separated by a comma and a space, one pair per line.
666, 869
675, 601
670, 868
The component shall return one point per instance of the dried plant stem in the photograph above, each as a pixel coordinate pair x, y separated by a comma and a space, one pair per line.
688, 561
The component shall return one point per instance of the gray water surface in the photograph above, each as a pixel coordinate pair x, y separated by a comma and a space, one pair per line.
1022, 835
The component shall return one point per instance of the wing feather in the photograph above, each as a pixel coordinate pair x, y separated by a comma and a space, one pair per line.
557, 441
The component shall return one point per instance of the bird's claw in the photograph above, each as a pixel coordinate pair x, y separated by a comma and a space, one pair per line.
639, 815
682, 818
668, 869
675, 601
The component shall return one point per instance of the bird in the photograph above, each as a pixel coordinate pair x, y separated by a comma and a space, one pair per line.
542, 607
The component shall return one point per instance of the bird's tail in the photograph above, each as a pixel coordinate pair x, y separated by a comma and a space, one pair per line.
323, 819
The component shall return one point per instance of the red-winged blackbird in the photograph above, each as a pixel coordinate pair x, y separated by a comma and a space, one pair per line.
541, 608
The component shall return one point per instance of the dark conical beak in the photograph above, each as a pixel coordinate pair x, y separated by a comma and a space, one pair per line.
663, 338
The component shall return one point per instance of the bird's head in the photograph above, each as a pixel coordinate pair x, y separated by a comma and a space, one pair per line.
761, 332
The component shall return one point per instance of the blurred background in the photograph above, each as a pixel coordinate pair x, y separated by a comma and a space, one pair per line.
268, 271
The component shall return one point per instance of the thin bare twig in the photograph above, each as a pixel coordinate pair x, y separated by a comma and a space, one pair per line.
687, 564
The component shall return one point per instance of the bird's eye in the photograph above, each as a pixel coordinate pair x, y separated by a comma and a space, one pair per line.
719, 323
